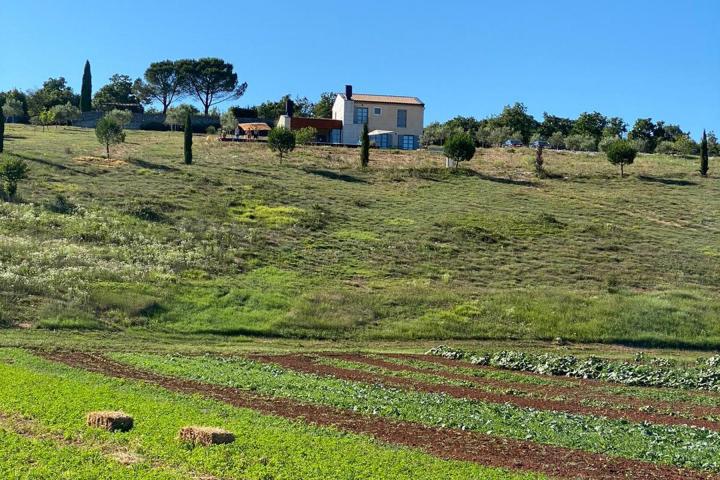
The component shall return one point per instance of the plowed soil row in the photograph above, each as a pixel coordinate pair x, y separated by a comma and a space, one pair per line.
574, 394
449, 444
306, 364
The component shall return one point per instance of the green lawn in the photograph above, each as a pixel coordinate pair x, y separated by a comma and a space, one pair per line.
239, 245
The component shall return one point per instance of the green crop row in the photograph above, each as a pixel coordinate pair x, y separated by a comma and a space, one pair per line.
650, 393
679, 445
657, 373
267, 447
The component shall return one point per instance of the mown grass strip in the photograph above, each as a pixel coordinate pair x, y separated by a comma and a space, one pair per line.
266, 447
679, 445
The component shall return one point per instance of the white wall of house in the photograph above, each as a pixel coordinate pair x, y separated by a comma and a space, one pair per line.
344, 110
283, 121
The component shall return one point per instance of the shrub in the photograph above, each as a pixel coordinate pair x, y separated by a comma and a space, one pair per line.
211, 130
557, 141
281, 140
665, 147
686, 146
582, 143
460, 147
12, 170
60, 204
621, 153
306, 136
109, 132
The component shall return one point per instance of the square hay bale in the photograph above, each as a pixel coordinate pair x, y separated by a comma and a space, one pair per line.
110, 421
206, 435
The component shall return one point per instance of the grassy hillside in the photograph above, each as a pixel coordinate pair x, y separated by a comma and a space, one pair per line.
238, 244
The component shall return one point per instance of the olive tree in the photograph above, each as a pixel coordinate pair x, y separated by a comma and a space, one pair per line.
109, 132
281, 140
621, 153
460, 147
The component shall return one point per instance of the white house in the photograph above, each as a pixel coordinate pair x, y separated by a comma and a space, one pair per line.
393, 121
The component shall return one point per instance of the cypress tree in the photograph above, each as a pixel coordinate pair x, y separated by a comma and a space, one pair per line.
86, 90
188, 139
704, 156
2, 130
365, 147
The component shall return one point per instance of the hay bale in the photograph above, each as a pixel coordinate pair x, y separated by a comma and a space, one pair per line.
110, 421
206, 435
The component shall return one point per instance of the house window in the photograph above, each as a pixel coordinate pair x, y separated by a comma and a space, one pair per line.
402, 119
361, 115
407, 142
377, 111
335, 135
382, 141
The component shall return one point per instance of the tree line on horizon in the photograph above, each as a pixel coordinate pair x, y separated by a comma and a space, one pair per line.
590, 131
211, 81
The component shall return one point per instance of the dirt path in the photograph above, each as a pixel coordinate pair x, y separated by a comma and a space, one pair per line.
305, 363
449, 444
579, 393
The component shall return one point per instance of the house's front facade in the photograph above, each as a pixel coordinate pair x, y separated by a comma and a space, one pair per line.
393, 121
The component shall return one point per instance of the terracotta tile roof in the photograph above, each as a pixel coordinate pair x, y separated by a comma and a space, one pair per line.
363, 97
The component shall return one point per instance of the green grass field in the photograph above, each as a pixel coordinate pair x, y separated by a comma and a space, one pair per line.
237, 244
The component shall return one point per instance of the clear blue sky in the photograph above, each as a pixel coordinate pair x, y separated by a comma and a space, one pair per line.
636, 58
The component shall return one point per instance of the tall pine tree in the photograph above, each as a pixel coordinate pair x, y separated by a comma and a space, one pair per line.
365, 147
86, 90
704, 156
188, 139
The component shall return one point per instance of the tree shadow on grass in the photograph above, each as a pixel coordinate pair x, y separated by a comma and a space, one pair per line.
667, 181
152, 166
58, 166
329, 174
507, 181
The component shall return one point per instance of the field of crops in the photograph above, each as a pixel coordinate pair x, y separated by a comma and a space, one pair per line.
345, 414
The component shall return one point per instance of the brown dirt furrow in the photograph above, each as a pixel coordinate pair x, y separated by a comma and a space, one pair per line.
444, 443
305, 363
578, 393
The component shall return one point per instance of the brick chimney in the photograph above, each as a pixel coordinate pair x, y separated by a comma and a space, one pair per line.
348, 92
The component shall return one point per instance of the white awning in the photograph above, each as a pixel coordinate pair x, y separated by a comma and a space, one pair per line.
379, 132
